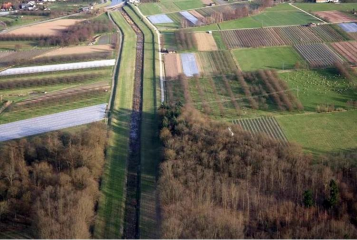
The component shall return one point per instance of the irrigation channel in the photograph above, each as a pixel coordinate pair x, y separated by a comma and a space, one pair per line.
132, 201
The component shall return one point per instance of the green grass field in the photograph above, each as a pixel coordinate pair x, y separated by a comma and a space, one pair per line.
149, 134
267, 58
320, 87
282, 15
322, 133
109, 221
165, 6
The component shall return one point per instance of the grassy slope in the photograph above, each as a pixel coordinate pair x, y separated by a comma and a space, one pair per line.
322, 132
263, 58
280, 15
109, 222
149, 135
165, 6
320, 87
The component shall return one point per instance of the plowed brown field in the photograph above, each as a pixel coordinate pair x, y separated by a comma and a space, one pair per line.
173, 66
48, 28
347, 50
205, 42
335, 16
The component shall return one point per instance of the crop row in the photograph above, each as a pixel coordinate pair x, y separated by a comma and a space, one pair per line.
348, 50
4, 85
318, 55
281, 36
265, 125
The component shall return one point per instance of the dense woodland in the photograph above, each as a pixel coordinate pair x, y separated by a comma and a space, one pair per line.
215, 185
49, 184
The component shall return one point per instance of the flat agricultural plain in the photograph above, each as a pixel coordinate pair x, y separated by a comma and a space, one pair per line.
334, 16
79, 50
52, 122
48, 28
205, 42
347, 49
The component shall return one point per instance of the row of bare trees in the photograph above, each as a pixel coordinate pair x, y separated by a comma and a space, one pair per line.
60, 59
49, 184
185, 40
47, 81
215, 185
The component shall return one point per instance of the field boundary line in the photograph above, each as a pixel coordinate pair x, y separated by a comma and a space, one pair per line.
307, 13
160, 54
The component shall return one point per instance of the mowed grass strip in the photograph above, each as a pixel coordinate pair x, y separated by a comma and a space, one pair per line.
267, 58
109, 222
150, 147
323, 132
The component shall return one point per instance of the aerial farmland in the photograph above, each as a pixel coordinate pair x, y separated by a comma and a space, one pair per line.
178, 119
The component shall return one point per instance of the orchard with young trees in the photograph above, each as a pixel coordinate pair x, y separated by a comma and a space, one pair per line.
50, 184
217, 185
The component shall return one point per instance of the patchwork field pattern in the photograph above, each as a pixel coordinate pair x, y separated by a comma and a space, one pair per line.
334, 16
189, 64
58, 67
251, 38
265, 37
318, 55
348, 50
266, 125
52, 122
205, 42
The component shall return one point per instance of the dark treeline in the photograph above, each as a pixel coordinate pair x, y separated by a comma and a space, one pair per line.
60, 59
215, 185
25, 83
50, 184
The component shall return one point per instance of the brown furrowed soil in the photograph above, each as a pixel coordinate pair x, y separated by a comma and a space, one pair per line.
173, 65
48, 28
205, 42
335, 16
78, 50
